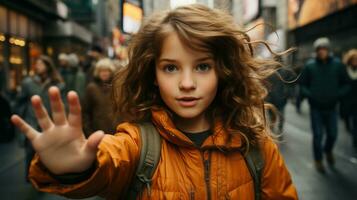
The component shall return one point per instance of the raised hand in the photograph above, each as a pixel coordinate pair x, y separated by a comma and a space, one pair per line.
61, 145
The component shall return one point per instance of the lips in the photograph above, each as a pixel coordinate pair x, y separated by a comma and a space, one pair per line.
188, 101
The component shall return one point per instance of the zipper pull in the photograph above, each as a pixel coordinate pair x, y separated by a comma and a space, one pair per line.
207, 170
192, 194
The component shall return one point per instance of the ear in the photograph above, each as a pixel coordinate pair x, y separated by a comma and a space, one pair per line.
155, 82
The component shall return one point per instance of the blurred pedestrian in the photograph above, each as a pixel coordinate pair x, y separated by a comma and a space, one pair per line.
349, 104
79, 82
72, 73
278, 96
46, 75
94, 55
324, 83
298, 97
97, 102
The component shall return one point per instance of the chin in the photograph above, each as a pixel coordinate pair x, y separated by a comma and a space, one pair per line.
185, 114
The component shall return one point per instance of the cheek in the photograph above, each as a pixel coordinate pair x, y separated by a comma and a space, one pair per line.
211, 85
165, 86
213, 89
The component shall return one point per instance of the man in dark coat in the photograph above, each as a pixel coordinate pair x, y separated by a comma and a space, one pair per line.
324, 82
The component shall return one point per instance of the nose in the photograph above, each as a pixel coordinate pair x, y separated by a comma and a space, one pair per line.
187, 81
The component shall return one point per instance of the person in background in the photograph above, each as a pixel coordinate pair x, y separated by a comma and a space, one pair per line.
350, 100
46, 75
94, 55
78, 77
278, 96
323, 82
72, 74
97, 104
63, 61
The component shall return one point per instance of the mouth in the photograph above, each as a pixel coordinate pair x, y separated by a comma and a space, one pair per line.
187, 101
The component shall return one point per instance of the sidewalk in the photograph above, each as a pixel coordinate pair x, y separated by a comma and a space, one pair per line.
11, 154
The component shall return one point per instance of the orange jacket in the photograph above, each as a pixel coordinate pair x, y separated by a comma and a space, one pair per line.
181, 172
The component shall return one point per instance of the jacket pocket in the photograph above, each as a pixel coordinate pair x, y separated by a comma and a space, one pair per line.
243, 192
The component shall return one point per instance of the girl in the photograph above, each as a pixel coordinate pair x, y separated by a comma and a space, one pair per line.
192, 74
45, 76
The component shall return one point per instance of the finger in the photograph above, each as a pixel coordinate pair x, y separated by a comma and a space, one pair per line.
75, 113
41, 113
24, 127
93, 141
57, 107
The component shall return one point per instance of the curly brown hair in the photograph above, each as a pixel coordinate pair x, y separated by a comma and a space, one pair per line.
241, 92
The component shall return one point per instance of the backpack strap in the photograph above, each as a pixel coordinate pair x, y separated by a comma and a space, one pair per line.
255, 163
150, 153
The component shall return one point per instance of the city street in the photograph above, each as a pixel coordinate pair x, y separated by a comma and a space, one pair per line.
180, 55
338, 183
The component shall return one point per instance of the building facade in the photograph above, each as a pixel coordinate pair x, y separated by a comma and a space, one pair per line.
29, 28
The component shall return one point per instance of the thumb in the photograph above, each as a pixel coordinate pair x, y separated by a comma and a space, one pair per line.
94, 140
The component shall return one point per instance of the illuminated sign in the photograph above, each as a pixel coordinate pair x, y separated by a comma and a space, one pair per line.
132, 17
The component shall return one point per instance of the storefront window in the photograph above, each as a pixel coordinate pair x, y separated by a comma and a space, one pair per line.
22, 24
2, 39
35, 30
13, 23
3, 19
17, 55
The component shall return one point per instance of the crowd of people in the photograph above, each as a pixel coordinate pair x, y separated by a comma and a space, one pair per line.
91, 84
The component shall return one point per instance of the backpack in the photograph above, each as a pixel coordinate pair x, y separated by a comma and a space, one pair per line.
150, 155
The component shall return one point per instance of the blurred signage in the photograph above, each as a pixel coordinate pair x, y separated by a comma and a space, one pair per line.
251, 10
302, 12
132, 17
62, 9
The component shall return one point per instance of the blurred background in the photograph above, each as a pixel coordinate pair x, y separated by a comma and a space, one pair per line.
77, 34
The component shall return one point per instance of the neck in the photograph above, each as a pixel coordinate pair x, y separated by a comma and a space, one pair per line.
192, 125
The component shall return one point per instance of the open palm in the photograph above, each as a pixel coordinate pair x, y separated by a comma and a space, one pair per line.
61, 145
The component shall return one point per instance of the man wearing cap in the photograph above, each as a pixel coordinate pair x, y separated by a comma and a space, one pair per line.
324, 83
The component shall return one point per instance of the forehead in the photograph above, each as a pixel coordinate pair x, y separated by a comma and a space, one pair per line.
174, 46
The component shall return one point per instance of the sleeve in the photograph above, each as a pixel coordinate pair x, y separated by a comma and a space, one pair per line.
117, 159
276, 180
344, 82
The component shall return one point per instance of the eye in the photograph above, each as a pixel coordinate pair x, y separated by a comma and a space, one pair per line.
170, 68
203, 67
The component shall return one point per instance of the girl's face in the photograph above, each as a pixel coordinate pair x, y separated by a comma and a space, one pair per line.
186, 78
40, 67
104, 74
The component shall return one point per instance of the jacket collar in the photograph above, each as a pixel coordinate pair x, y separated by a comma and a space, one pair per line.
218, 140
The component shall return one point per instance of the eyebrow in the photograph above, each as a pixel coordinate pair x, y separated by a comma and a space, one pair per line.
173, 60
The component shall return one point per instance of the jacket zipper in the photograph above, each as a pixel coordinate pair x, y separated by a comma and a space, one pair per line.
192, 194
206, 164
